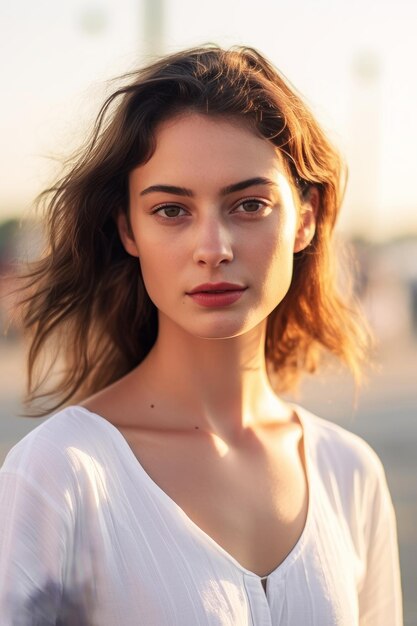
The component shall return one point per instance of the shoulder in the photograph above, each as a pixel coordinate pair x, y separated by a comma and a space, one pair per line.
54, 445
340, 454
351, 477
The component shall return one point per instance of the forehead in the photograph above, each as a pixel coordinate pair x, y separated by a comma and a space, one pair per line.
221, 149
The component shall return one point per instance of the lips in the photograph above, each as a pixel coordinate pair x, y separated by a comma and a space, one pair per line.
216, 295
217, 288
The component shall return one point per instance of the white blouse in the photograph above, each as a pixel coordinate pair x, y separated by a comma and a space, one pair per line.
87, 538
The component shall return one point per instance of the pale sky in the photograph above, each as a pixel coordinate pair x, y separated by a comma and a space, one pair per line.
56, 57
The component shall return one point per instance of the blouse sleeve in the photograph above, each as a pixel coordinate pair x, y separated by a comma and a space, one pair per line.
380, 600
33, 540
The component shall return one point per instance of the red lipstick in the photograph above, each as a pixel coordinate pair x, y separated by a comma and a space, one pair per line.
216, 294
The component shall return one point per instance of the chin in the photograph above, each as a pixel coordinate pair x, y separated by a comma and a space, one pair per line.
222, 329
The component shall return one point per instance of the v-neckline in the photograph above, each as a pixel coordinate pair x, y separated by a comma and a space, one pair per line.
295, 551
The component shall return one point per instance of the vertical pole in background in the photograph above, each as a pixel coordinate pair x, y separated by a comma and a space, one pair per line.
365, 143
153, 27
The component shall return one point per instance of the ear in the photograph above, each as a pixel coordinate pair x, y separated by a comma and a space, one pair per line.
125, 233
307, 225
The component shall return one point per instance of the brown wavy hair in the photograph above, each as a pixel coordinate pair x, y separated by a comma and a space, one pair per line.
85, 307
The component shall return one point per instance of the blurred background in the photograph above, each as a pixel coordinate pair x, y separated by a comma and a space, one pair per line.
352, 62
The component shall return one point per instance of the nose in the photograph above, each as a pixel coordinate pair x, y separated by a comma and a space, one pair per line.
212, 243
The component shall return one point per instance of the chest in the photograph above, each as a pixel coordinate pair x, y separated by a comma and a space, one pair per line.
252, 502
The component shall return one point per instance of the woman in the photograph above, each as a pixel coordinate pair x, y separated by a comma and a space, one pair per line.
188, 277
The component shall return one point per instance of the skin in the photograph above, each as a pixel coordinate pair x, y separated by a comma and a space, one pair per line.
200, 410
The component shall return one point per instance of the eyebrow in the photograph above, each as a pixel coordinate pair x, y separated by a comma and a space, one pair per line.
183, 191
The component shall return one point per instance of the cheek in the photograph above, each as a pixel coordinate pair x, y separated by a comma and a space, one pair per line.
159, 264
277, 246
276, 265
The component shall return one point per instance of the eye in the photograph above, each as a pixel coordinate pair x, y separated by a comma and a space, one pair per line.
251, 205
171, 211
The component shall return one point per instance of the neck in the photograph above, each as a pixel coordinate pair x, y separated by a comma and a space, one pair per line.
220, 385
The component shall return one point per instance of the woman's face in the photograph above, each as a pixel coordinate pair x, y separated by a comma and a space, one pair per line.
212, 205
